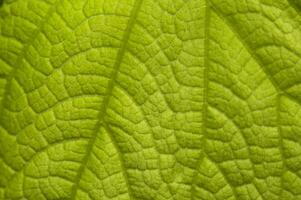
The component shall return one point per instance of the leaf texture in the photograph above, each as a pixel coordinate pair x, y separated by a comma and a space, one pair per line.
150, 100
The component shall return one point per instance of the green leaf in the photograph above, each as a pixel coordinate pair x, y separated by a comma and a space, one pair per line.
150, 100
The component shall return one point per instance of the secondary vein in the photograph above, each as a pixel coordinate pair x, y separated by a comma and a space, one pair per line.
11, 76
205, 104
106, 101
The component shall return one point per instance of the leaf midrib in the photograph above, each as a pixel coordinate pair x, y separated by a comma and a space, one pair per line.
102, 112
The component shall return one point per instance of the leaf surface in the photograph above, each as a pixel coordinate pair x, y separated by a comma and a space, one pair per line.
150, 100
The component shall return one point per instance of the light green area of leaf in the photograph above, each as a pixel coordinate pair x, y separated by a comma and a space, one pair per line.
150, 100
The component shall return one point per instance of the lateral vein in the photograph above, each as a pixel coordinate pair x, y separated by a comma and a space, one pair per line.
102, 113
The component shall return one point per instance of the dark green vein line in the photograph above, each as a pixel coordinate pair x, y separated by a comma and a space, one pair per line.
243, 42
206, 64
106, 101
21, 56
125, 175
11, 75
205, 93
208, 11
281, 144
279, 90
295, 6
255, 58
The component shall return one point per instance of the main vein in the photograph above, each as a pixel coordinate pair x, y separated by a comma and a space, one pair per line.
106, 101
